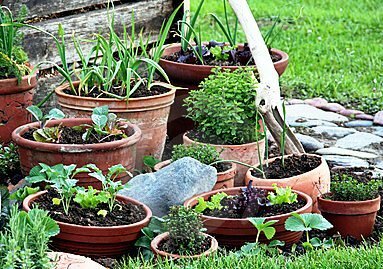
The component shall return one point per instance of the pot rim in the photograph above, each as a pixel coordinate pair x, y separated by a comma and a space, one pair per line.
283, 54
309, 203
281, 180
41, 146
165, 163
155, 242
337, 202
29, 199
348, 208
260, 142
23, 86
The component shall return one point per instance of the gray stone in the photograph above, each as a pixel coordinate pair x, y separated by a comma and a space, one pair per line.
295, 112
346, 152
379, 165
364, 117
358, 140
347, 161
309, 123
378, 118
334, 107
318, 101
378, 131
309, 143
359, 123
333, 132
172, 185
350, 112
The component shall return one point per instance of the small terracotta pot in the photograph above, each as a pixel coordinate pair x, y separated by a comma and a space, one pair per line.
236, 232
246, 153
104, 155
150, 114
159, 253
225, 179
14, 99
96, 241
350, 218
313, 183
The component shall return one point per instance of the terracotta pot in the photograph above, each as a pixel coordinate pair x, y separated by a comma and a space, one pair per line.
236, 232
356, 218
104, 155
14, 99
150, 114
96, 241
225, 179
189, 76
246, 153
313, 183
156, 241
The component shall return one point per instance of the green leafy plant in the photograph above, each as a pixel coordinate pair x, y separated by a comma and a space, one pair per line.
263, 227
305, 223
204, 153
24, 244
282, 195
150, 162
232, 92
213, 203
90, 198
4, 206
283, 134
219, 53
9, 162
22, 193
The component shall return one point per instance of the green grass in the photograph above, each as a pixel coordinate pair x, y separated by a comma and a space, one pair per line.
335, 46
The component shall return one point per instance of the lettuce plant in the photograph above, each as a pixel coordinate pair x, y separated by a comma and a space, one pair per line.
282, 195
214, 203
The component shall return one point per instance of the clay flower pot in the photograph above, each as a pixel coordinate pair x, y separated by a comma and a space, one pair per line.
225, 179
156, 241
109, 241
14, 99
189, 76
104, 155
236, 232
313, 183
246, 153
150, 114
350, 218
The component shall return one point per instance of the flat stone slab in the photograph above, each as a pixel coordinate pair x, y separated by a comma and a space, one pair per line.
359, 123
346, 161
309, 143
333, 132
70, 261
378, 131
346, 152
358, 140
308, 123
310, 112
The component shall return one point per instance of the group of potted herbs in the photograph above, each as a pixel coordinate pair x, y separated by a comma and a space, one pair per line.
115, 109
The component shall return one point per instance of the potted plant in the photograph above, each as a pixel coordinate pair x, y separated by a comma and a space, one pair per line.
16, 92
104, 140
184, 237
226, 213
92, 222
352, 205
225, 117
206, 154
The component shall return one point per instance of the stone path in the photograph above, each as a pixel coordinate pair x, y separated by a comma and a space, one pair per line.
344, 137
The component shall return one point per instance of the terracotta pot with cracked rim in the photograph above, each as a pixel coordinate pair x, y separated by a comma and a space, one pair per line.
110, 241
150, 114
163, 254
236, 232
246, 153
104, 155
14, 99
225, 179
313, 183
350, 218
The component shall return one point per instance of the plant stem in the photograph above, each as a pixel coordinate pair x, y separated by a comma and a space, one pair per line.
257, 238
241, 163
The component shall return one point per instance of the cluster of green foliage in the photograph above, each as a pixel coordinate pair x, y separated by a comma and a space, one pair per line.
346, 188
24, 243
12, 56
224, 107
213, 203
282, 195
9, 161
204, 153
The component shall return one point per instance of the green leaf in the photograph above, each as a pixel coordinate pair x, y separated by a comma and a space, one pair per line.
102, 212
150, 161
269, 232
100, 120
315, 242
101, 111
36, 112
307, 222
201, 206
56, 201
276, 243
143, 242
55, 114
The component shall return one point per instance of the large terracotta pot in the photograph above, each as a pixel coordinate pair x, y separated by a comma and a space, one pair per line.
350, 218
189, 76
313, 183
150, 114
104, 155
96, 241
157, 240
14, 99
246, 153
225, 179
237, 232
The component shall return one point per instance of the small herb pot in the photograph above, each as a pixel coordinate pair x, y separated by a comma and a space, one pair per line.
350, 218
159, 253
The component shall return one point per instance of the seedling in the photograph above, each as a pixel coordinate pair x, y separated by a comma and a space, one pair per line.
22, 193
263, 227
90, 198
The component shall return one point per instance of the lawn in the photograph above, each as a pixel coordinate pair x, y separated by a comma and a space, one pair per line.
335, 46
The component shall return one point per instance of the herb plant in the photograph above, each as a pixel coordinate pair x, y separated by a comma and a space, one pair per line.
9, 162
232, 92
23, 193
204, 153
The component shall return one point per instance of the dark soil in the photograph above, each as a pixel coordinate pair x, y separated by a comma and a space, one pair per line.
72, 136
222, 167
294, 165
200, 137
167, 246
123, 214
